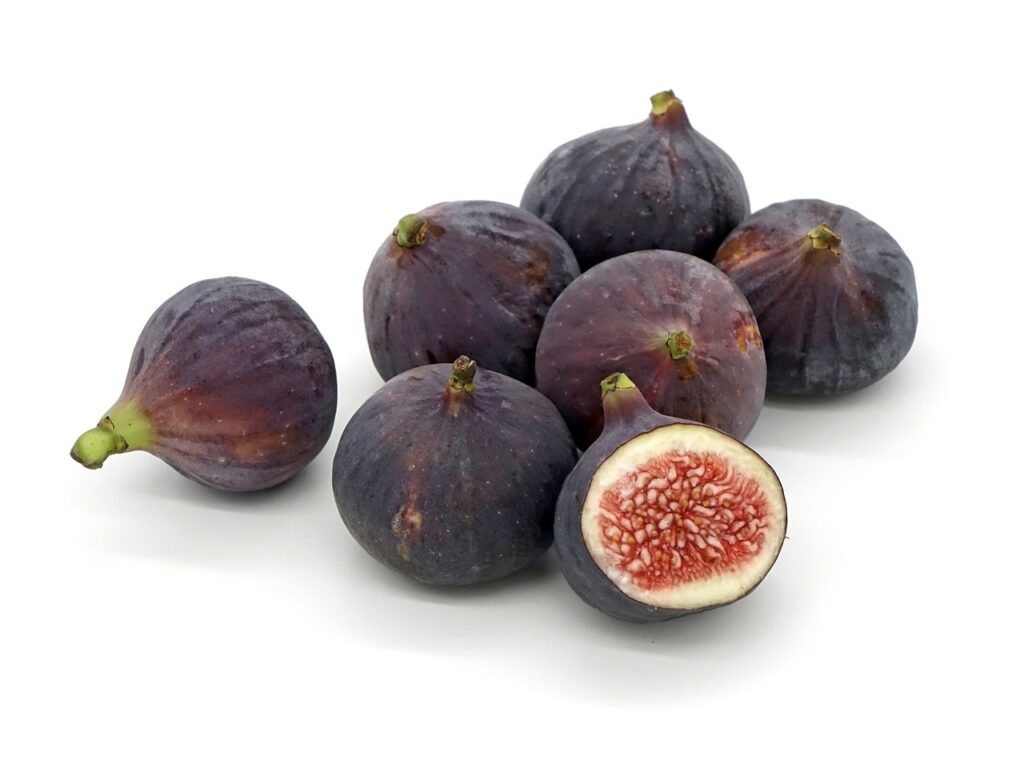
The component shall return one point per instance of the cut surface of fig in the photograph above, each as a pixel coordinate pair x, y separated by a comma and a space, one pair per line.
683, 517
662, 517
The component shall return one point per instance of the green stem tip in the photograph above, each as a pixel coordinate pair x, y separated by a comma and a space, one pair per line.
822, 238
411, 230
463, 373
615, 383
124, 428
680, 345
664, 101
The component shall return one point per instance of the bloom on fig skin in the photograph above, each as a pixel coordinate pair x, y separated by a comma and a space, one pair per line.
450, 474
230, 383
834, 294
658, 184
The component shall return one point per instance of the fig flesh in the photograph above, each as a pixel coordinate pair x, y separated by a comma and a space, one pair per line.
673, 323
833, 292
230, 383
663, 517
450, 475
470, 277
658, 184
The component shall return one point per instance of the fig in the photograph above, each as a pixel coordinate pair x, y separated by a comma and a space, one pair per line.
230, 383
658, 184
833, 292
664, 517
673, 323
469, 277
450, 475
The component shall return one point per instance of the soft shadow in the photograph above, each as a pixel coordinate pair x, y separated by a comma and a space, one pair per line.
848, 424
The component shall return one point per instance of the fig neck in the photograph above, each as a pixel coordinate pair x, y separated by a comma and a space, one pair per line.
621, 400
125, 428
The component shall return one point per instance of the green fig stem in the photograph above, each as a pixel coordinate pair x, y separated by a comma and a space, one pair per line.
617, 382
680, 345
823, 239
666, 105
411, 230
124, 428
463, 373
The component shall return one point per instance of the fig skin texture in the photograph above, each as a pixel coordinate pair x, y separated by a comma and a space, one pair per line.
450, 475
670, 321
474, 278
230, 383
833, 292
658, 184
629, 418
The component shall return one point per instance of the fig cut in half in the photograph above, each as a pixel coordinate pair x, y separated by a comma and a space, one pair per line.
664, 517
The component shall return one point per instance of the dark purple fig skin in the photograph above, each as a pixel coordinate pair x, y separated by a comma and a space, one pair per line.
832, 321
658, 184
633, 417
452, 488
479, 284
618, 317
237, 382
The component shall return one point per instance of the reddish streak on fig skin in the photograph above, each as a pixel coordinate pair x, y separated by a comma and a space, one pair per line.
680, 518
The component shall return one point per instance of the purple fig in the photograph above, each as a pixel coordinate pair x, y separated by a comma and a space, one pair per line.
663, 517
474, 278
230, 383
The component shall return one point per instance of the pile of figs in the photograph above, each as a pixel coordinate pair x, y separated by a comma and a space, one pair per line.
580, 369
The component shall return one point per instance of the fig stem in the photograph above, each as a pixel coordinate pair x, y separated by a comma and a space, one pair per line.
615, 383
463, 373
124, 428
666, 106
680, 345
411, 231
822, 238
662, 101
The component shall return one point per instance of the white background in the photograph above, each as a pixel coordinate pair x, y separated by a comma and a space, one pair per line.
147, 621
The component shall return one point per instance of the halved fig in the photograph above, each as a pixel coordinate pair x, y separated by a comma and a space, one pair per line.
663, 517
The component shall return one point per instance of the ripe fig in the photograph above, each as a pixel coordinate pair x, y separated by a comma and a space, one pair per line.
673, 323
658, 184
664, 517
230, 383
833, 292
474, 277
450, 476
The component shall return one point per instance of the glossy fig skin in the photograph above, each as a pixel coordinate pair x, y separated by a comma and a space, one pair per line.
835, 316
579, 568
658, 184
479, 283
449, 487
632, 418
619, 317
237, 383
